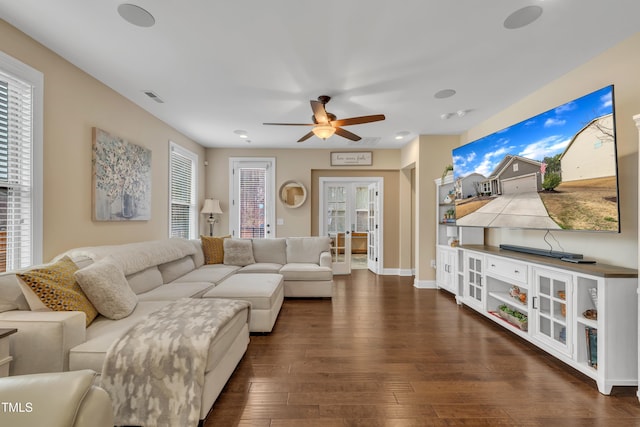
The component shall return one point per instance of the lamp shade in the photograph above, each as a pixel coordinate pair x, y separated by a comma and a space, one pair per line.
323, 131
211, 206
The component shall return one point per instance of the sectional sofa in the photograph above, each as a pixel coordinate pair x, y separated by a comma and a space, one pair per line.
129, 283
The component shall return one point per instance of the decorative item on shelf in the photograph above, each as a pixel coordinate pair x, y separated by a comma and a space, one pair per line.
452, 234
591, 314
447, 200
592, 346
514, 317
517, 294
448, 170
593, 292
211, 207
563, 307
449, 216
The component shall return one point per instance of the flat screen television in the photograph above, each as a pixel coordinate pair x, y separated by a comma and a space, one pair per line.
553, 171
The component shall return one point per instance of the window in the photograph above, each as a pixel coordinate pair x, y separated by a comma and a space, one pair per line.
183, 212
21, 89
252, 197
362, 209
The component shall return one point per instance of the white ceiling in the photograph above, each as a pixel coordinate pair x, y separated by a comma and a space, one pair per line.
221, 66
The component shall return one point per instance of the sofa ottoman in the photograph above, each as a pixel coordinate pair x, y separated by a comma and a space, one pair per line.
264, 291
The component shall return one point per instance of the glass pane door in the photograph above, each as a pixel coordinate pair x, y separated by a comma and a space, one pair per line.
550, 305
337, 226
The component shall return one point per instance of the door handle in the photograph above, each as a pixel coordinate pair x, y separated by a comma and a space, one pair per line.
533, 303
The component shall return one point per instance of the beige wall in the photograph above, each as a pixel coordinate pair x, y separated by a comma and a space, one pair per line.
619, 66
74, 102
428, 155
299, 165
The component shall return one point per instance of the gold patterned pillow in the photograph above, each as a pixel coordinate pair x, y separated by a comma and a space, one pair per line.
56, 287
213, 249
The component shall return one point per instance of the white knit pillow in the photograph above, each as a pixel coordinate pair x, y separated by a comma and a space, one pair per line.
107, 288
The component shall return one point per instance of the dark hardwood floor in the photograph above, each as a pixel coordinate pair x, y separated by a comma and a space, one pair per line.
383, 353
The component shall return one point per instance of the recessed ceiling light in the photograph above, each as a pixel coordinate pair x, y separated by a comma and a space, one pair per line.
446, 116
444, 93
402, 134
241, 133
522, 17
136, 15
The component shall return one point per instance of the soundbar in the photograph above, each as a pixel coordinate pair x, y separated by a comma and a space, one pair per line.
541, 252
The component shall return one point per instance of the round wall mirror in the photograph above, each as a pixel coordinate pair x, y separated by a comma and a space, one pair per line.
293, 194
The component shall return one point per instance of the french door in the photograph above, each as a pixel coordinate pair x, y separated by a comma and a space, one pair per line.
337, 226
350, 214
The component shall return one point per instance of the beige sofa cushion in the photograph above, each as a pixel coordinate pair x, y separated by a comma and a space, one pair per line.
172, 270
214, 273
145, 280
306, 271
107, 288
261, 267
176, 290
198, 257
103, 332
261, 290
238, 252
10, 291
306, 249
273, 251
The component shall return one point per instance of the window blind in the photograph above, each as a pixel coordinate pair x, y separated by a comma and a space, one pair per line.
252, 202
16, 140
183, 195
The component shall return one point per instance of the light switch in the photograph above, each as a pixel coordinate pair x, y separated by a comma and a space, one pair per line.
280, 221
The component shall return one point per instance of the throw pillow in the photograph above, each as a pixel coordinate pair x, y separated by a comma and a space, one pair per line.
213, 249
238, 252
56, 287
107, 288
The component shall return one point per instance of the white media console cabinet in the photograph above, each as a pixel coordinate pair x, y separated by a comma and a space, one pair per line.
556, 300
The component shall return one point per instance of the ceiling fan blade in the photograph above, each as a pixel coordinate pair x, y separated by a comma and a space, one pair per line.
358, 120
346, 134
290, 124
307, 136
319, 112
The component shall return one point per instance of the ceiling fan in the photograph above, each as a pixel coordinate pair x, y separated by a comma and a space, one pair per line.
326, 124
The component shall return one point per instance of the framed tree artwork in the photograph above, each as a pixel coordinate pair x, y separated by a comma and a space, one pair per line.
121, 179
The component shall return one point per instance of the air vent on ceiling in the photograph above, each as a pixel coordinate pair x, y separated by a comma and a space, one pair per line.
366, 141
151, 94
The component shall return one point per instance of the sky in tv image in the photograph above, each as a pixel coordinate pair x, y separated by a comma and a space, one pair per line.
544, 135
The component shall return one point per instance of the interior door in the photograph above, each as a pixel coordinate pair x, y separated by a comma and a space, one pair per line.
373, 231
337, 225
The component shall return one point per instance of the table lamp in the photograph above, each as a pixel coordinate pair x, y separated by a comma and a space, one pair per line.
211, 207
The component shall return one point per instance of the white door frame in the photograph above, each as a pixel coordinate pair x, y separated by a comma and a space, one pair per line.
355, 179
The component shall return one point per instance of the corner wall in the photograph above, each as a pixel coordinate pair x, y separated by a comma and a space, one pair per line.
74, 102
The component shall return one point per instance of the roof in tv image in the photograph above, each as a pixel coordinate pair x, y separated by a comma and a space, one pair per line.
556, 170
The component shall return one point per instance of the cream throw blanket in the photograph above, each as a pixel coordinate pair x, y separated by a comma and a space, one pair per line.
135, 257
155, 372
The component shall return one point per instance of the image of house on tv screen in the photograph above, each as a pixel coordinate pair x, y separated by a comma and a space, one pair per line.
554, 171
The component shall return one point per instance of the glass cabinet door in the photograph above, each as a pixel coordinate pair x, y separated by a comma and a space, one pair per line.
551, 293
474, 279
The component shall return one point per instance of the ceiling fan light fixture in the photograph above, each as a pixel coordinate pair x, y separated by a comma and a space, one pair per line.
324, 131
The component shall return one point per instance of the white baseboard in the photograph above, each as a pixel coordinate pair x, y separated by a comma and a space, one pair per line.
397, 272
425, 284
